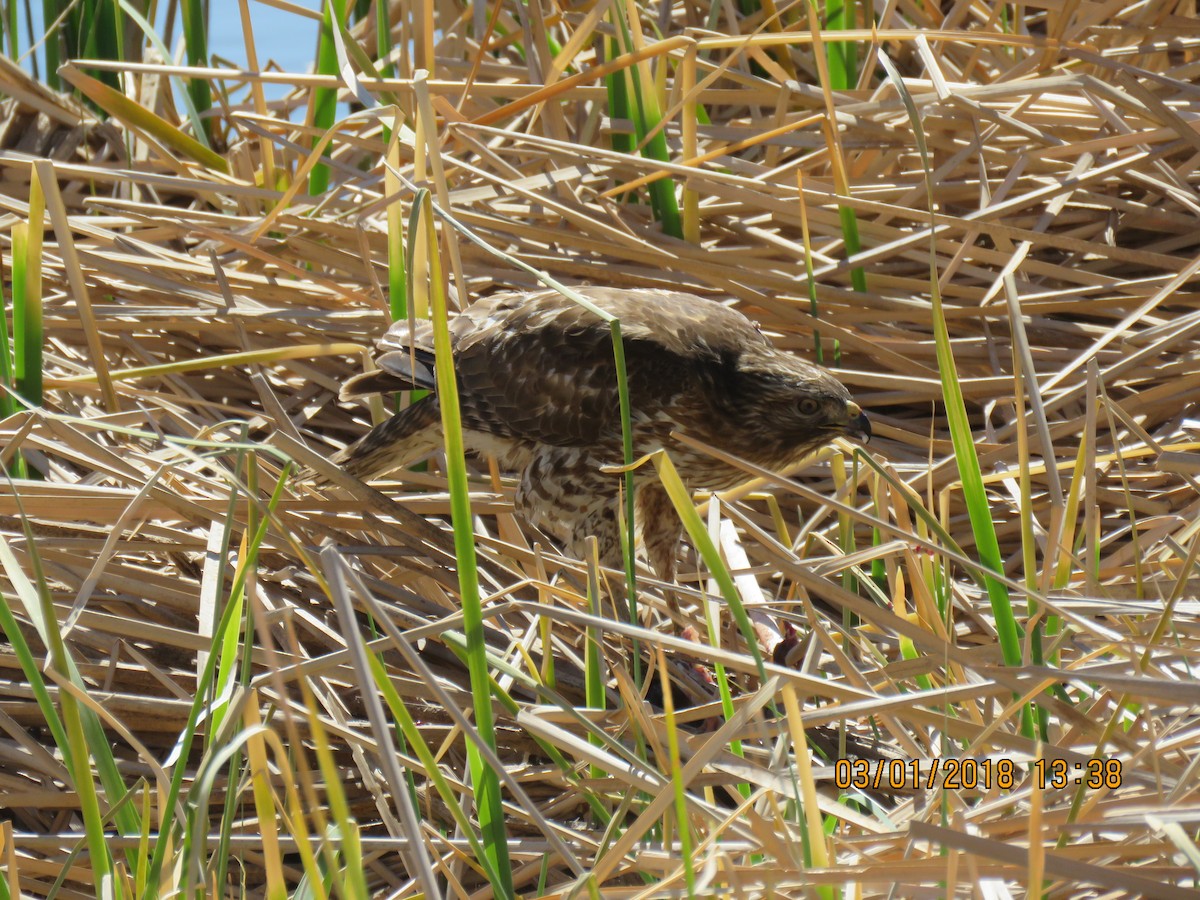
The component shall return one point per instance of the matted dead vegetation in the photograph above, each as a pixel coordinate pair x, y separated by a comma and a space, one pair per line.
199, 325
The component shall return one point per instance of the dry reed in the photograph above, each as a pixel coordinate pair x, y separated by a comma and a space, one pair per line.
199, 325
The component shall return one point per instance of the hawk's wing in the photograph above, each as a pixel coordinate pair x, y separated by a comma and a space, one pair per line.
540, 367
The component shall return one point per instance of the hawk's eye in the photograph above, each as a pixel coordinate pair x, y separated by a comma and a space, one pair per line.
808, 406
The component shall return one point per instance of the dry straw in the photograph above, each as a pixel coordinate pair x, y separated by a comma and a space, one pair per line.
200, 315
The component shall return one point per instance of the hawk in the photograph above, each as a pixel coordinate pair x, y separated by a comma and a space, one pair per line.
538, 391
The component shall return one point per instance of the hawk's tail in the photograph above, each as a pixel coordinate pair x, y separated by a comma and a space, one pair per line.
402, 440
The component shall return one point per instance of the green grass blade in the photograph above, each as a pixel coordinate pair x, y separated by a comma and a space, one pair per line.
30, 337
616, 86
8, 371
681, 499
53, 44
487, 785
643, 107
349, 57
457, 643
180, 753
814, 843
397, 265
40, 610
83, 740
30, 666
104, 39
593, 658
383, 38
809, 272
11, 34
137, 117
195, 34
840, 15
974, 493
416, 741
229, 640
675, 769
185, 94
100, 860
837, 162
324, 100
20, 277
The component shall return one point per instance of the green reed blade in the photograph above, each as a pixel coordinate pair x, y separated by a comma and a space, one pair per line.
489, 803
979, 510
195, 34
324, 100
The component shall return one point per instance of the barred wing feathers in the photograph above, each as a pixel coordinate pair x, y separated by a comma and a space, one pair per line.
540, 367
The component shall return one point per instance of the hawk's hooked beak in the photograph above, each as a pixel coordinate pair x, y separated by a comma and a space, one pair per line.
857, 425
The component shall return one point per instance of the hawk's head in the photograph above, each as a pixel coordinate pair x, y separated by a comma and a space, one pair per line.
795, 407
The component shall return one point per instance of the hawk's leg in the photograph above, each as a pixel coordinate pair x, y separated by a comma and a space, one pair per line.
661, 528
563, 492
